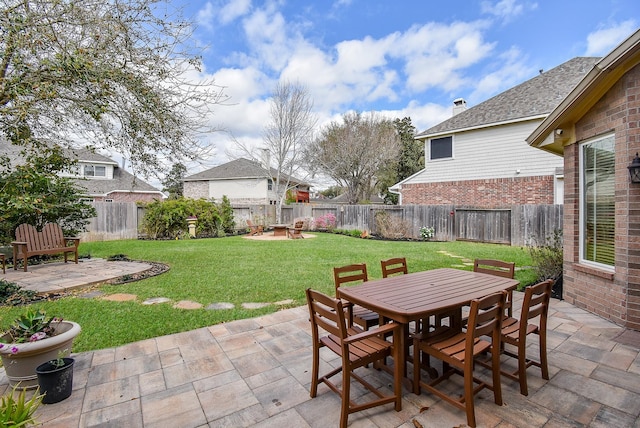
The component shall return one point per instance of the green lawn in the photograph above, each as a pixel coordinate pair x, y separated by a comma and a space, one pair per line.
239, 270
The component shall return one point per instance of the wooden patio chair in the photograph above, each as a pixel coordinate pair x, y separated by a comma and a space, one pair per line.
295, 232
356, 273
458, 351
498, 268
394, 266
356, 349
515, 332
254, 229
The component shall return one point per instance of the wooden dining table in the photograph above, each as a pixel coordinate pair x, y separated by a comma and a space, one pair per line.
417, 296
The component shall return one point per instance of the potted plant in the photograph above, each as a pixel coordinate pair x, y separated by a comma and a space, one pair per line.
33, 339
55, 378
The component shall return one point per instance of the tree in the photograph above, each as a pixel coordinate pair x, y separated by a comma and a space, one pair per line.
109, 74
353, 152
410, 161
33, 192
172, 183
286, 138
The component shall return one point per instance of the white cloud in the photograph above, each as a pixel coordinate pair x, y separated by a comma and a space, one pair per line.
233, 10
437, 54
506, 10
600, 42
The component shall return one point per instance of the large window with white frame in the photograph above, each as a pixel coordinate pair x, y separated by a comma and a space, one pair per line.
597, 207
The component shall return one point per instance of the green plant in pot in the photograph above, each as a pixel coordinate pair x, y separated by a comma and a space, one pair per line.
34, 338
55, 378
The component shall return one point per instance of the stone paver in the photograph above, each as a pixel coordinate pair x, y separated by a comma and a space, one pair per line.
256, 372
187, 304
120, 297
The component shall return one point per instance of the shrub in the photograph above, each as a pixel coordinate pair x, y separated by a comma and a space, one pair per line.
391, 227
11, 294
168, 219
547, 257
326, 221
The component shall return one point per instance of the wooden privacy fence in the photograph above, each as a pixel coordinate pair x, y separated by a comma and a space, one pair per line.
518, 225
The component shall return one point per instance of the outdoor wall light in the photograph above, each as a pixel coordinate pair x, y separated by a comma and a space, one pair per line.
634, 169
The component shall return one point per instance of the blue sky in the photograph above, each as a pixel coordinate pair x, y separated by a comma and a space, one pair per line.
399, 58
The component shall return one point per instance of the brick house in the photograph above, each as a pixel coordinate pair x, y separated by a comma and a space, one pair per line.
597, 130
479, 157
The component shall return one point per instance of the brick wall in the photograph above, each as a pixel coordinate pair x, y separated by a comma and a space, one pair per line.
486, 193
615, 296
196, 189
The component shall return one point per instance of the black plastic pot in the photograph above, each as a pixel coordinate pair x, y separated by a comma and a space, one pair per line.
55, 382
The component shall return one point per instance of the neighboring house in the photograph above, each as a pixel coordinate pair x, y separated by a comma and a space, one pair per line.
597, 130
101, 177
105, 181
479, 157
243, 181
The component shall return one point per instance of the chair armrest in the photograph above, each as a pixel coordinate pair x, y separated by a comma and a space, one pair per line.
76, 241
18, 243
391, 327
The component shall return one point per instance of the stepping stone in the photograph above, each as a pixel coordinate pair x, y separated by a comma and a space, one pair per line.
255, 305
120, 297
156, 300
221, 305
283, 302
187, 304
91, 294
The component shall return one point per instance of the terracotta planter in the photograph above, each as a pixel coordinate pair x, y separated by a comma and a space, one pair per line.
21, 366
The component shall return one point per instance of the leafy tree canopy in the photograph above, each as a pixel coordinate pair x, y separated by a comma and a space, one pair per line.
33, 192
106, 73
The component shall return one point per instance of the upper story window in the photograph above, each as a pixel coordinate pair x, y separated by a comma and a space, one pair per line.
597, 207
95, 171
269, 184
441, 148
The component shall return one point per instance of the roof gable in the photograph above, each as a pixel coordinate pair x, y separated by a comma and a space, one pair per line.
556, 131
238, 168
534, 98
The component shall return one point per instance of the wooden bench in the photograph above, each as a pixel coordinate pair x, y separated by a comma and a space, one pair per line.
29, 242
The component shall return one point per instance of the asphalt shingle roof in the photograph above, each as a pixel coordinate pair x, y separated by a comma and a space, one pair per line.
122, 179
237, 168
535, 97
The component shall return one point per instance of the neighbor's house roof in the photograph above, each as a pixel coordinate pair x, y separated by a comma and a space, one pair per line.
238, 169
122, 181
535, 98
584, 96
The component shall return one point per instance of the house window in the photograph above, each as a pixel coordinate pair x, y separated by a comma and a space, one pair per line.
597, 209
441, 148
269, 184
95, 171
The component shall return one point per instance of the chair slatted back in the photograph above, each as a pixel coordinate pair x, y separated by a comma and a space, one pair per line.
485, 317
394, 266
350, 273
324, 313
495, 267
536, 302
52, 236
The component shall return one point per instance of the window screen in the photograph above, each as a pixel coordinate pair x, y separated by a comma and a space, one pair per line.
441, 148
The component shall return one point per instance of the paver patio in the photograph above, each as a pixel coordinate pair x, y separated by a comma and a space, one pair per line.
256, 372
